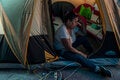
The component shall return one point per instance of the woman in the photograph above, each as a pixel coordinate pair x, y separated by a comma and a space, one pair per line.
65, 43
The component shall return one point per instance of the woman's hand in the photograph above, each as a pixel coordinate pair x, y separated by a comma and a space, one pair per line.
83, 54
68, 45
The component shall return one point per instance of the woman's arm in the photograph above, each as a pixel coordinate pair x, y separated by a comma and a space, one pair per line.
68, 45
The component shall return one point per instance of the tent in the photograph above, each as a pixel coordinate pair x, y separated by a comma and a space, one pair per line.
28, 30
26, 26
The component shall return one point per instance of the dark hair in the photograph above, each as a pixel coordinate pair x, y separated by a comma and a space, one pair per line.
70, 16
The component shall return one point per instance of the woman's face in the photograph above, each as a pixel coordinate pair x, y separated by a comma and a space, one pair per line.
73, 23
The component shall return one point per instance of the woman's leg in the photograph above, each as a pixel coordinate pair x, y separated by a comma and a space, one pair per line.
82, 40
86, 63
80, 59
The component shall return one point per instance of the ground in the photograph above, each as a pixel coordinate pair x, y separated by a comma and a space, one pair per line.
66, 74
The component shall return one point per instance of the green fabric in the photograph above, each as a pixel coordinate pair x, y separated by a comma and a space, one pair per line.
86, 12
82, 8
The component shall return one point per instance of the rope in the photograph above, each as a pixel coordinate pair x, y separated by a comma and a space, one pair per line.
56, 73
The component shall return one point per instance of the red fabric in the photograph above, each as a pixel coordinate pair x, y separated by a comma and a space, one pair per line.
83, 20
76, 10
88, 5
96, 12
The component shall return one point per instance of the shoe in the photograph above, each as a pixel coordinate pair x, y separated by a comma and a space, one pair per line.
104, 72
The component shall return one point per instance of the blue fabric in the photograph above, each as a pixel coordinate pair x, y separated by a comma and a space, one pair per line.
105, 61
78, 57
67, 63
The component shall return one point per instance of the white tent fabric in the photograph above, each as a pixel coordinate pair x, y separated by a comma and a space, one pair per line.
38, 27
1, 26
12, 26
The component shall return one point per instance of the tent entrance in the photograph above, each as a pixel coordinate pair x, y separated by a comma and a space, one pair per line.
103, 42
